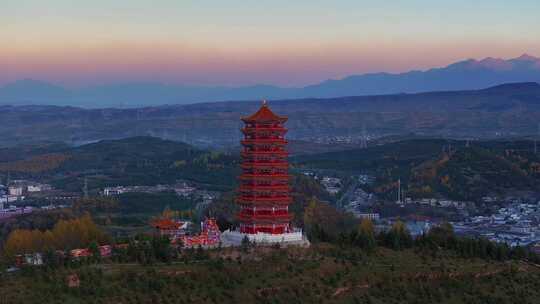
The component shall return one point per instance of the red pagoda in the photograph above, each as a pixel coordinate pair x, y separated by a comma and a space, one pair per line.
264, 196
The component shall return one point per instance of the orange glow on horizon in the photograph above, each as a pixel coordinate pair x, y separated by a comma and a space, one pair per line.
294, 65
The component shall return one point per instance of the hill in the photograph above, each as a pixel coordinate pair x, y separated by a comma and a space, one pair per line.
501, 111
464, 170
130, 161
440, 168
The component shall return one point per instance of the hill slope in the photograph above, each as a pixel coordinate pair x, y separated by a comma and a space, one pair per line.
441, 168
130, 161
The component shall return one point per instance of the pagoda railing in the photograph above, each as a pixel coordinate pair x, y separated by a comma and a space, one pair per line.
286, 217
280, 141
258, 152
282, 199
264, 188
261, 128
249, 176
261, 172
248, 165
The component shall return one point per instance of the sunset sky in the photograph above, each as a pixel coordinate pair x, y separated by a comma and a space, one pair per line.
236, 43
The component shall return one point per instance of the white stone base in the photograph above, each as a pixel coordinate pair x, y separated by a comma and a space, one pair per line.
234, 238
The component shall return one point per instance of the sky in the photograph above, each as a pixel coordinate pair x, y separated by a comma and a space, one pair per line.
236, 43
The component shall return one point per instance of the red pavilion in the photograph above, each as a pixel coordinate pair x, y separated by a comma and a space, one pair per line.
264, 195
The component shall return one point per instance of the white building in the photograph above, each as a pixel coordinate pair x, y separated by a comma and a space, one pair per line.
369, 216
15, 191
184, 191
38, 187
110, 191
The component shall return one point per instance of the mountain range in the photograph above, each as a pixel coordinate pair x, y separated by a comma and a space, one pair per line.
506, 110
464, 75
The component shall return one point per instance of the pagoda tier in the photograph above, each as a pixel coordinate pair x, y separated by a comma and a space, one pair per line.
264, 194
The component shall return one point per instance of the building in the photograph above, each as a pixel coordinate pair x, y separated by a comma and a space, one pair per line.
110, 191
332, 185
184, 190
171, 228
15, 191
264, 194
209, 237
36, 187
369, 216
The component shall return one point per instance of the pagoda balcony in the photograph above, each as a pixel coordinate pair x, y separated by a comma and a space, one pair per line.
264, 153
264, 161
261, 135
265, 228
248, 141
255, 171
264, 200
261, 217
267, 195
250, 184
251, 209
250, 130
264, 176
280, 164
284, 188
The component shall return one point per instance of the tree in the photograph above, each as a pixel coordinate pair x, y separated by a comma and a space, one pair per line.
365, 237
398, 237
66, 234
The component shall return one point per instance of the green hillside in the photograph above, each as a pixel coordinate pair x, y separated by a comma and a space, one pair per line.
434, 167
131, 161
322, 274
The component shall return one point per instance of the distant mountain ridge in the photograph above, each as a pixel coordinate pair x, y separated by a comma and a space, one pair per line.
464, 75
506, 110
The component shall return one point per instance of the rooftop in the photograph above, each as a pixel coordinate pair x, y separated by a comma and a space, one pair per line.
264, 114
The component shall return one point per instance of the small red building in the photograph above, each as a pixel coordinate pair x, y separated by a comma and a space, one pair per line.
171, 228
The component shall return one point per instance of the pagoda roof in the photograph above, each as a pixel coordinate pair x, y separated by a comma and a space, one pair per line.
264, 114
167, 224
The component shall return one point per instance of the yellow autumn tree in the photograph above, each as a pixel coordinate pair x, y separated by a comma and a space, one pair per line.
17, 242
77, 233
66, 234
